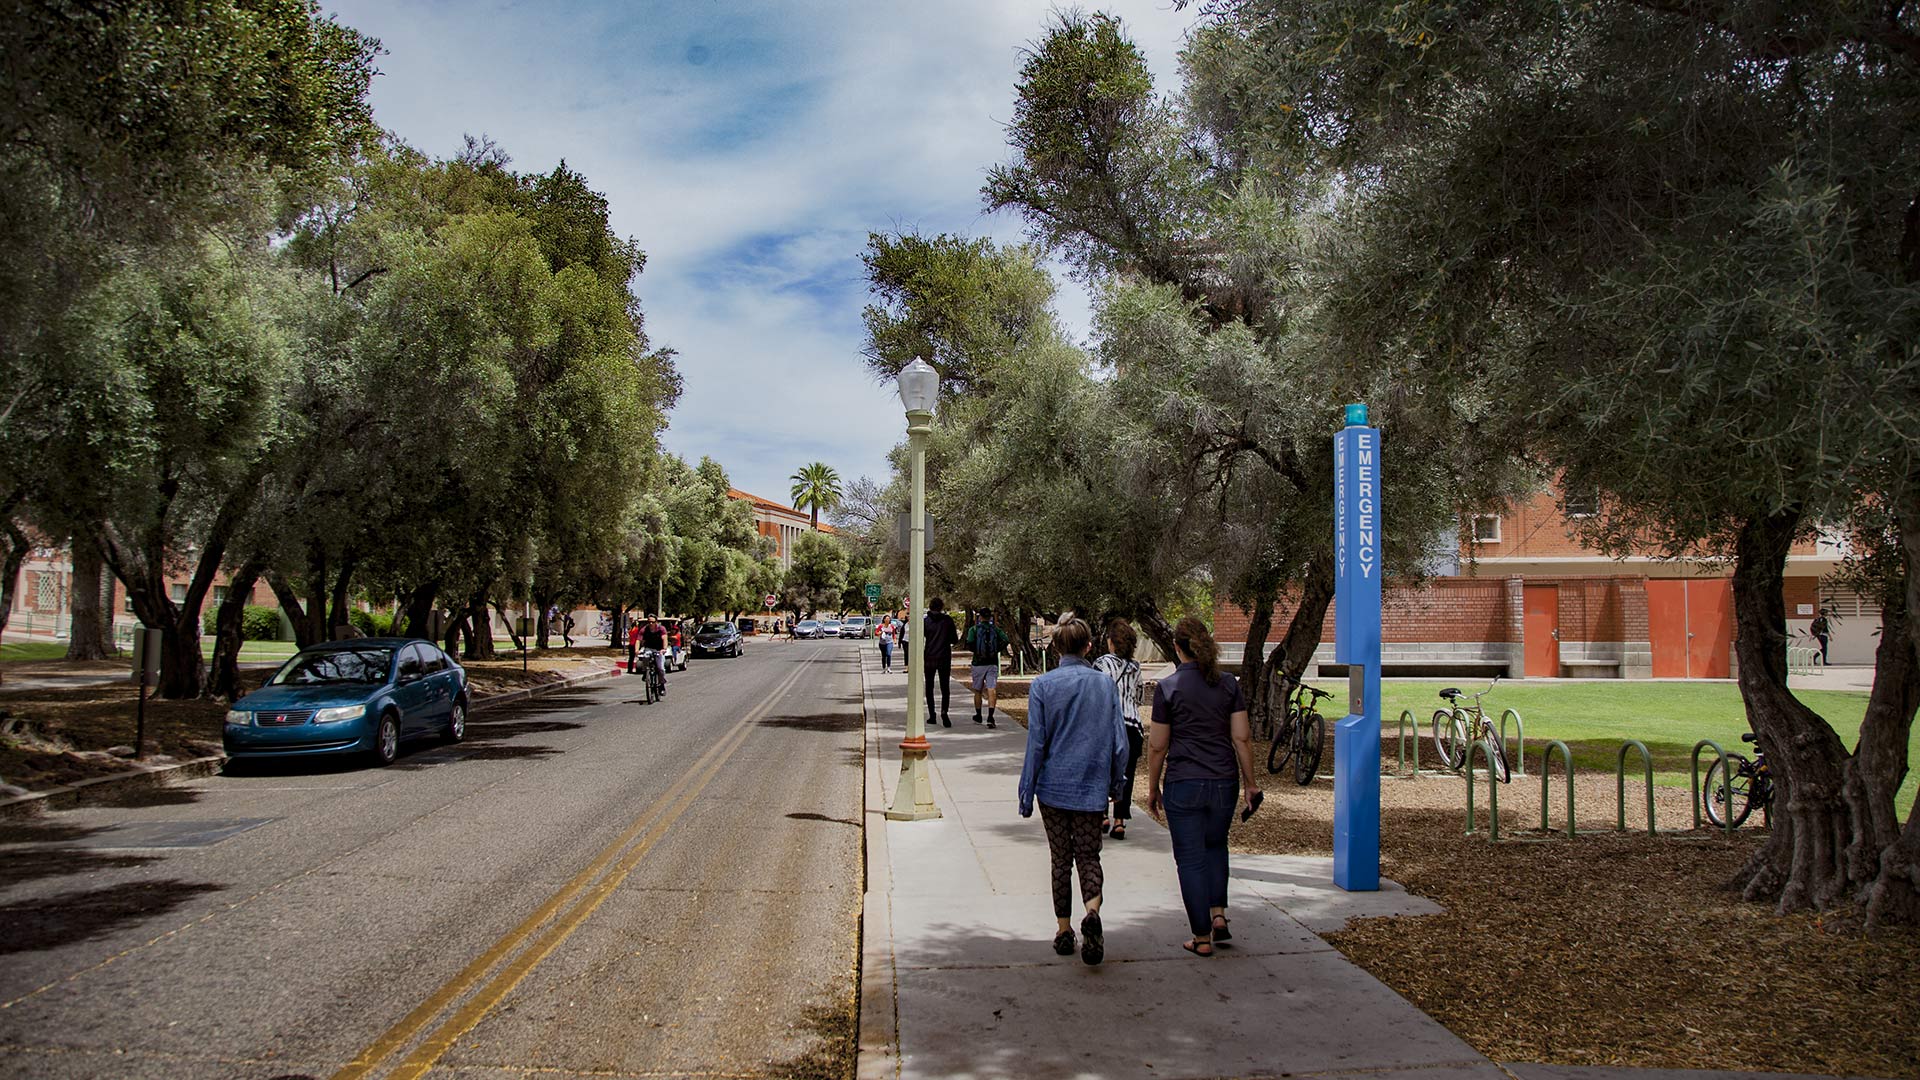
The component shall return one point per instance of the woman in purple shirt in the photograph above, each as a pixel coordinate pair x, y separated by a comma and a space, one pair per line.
1202, 741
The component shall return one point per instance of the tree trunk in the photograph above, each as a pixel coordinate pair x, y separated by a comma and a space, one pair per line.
615, 620
419, 614
290, 605
1155, 626
88, 636
228, 621
1894, 896
15, 556
338, 620
513, 634
1253, 659
1803, 864
541, 631
1888, 884
479, 628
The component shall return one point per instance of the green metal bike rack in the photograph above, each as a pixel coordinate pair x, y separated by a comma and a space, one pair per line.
1519, 730
1620, 776
1546, 777
1726, 780
1493, 791
1407, 720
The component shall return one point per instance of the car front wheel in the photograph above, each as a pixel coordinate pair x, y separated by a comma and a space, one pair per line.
386, 739
457, 722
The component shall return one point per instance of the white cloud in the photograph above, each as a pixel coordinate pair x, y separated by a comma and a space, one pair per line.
749, 147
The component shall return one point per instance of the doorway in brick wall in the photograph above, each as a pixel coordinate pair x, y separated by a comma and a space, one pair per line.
1690, 627
1541, 608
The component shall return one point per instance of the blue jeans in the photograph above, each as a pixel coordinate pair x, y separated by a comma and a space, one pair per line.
1198, 814
886, 656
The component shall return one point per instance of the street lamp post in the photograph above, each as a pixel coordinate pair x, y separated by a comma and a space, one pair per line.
913, 798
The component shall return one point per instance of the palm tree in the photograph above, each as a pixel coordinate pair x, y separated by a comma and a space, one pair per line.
816, 487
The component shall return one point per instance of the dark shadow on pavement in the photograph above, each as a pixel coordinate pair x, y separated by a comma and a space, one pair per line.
53, 921
822, 817
821, 722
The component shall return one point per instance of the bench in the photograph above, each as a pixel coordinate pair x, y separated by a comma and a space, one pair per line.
1590, 669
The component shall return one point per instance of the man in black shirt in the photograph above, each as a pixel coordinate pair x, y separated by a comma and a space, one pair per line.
654, 636
939, 638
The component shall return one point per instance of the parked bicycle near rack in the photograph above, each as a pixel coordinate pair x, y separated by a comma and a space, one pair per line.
1300, 737
1458, 727
1750, 785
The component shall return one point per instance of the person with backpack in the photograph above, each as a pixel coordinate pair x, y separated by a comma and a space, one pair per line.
1822, 632
985, 640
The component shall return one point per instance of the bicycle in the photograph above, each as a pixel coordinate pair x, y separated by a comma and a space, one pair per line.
1301, 737
649, 663
1464, 725
1750, 785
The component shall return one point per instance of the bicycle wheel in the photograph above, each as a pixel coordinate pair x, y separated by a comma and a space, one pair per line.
1281, 751
1723, 793
1311, 736
1451, 753
1496, 756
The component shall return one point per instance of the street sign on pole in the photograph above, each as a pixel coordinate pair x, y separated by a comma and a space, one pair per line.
873, 594
1356, 643
902, 529
770, 599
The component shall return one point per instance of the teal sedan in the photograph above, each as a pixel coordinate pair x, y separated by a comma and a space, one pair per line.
361, 696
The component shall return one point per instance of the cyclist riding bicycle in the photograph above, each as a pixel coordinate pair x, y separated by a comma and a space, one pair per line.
654, 636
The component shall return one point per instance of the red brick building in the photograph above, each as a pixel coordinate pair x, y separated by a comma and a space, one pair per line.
1527, 599
778, 522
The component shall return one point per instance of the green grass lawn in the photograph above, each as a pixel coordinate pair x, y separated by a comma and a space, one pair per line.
32, 650
1594, 718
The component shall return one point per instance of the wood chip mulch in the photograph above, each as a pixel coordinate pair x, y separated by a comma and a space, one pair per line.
1612, 948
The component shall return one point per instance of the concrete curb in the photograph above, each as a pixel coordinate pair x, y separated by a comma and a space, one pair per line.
877, 1055
142, 776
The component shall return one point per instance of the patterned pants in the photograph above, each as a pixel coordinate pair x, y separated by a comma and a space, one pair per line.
1073, 836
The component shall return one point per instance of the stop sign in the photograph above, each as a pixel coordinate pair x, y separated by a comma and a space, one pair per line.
770, 600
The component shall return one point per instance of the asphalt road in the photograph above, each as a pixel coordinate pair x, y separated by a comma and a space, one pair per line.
588, 885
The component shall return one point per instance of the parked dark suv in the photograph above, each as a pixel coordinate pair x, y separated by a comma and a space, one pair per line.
716, 639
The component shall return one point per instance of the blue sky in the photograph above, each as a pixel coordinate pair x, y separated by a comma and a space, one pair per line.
749, 147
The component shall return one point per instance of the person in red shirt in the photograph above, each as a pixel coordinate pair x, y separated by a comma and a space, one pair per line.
633, 647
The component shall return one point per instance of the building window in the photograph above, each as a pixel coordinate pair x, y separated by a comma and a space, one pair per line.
219, 594
178, 592
1583, 504
1486, 528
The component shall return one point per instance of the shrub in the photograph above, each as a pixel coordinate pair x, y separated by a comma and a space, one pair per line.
371, 623
257, 622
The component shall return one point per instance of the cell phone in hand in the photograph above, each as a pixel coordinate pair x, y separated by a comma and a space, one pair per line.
1253, 804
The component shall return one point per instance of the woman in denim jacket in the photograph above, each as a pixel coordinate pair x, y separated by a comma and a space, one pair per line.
1076, 760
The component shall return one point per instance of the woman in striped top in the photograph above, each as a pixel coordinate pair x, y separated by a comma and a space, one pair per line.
1119, 665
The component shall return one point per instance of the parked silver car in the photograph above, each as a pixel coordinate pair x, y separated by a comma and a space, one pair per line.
856, 626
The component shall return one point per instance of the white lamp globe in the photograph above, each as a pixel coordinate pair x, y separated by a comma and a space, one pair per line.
919, 386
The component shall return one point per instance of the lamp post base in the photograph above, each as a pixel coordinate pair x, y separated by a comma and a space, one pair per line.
913, 798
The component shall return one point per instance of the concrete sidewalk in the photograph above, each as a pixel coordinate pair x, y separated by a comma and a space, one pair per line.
959, 978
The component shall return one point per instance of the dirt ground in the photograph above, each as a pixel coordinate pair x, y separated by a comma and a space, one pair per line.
50, 737
1614, 948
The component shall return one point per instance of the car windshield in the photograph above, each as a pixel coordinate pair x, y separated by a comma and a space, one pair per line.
830, 622
335, 666
714, 628
808, 623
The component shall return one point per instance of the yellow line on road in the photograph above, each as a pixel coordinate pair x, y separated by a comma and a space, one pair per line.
649, 827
